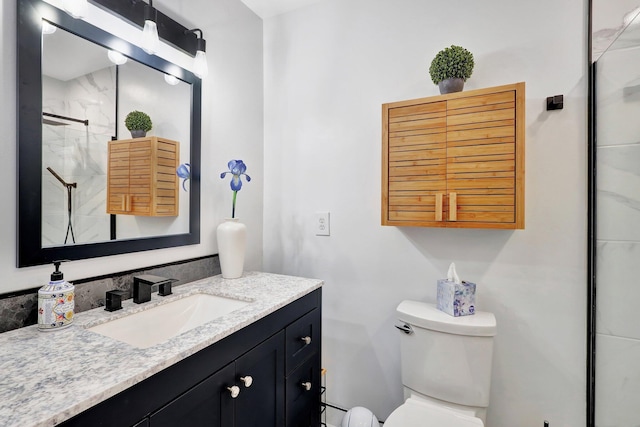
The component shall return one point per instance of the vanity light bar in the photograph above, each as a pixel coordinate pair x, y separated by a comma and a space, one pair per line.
169, 30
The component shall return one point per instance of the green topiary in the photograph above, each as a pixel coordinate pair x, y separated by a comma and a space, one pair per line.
451, 62
137, 120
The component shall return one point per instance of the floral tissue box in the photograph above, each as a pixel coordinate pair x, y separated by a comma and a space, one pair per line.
456, 299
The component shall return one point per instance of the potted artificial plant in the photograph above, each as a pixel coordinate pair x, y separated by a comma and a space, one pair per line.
450, 68
138, 123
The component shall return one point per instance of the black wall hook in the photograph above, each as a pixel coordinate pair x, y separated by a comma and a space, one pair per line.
555, 102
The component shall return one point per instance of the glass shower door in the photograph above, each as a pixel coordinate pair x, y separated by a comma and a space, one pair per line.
617, 246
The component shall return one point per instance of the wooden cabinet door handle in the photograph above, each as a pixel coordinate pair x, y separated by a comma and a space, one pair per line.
453, 207
438, 206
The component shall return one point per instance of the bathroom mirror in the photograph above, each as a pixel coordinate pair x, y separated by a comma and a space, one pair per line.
67, 75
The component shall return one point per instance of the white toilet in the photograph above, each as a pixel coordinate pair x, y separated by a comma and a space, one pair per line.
446, 367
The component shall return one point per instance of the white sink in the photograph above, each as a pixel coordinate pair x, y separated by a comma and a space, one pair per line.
161, 323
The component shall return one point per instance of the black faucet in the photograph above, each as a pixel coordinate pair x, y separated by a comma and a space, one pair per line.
142, 287
113, 300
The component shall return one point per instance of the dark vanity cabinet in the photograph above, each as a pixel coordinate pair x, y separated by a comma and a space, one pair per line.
264, 375
246, 392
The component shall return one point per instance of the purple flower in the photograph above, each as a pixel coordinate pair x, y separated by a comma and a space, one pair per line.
184, 172
237, 168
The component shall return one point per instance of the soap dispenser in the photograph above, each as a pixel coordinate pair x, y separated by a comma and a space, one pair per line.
56, 302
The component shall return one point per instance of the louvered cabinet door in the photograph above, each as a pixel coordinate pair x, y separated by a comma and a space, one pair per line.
484, 177
165, 184
118, 178
455, 160
140, 177
414, 164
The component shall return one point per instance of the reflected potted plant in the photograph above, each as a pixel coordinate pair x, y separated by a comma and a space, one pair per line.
138, 123
450, 68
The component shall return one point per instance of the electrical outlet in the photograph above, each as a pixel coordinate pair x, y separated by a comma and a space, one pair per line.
322, 224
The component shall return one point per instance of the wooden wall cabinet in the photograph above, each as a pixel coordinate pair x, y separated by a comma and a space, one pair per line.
455, 160
141, 177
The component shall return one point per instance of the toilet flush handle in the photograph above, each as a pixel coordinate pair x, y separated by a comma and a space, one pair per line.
405, 328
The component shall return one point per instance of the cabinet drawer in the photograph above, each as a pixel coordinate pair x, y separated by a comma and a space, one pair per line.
303, 395
302, 339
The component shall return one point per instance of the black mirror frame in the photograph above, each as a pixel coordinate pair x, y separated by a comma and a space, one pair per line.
29, 117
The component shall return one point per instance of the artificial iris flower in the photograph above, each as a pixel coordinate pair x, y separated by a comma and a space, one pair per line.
236, 169
184, 172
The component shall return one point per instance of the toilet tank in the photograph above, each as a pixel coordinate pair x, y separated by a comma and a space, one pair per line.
445, 357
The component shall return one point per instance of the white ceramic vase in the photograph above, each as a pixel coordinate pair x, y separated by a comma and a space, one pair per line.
232, 242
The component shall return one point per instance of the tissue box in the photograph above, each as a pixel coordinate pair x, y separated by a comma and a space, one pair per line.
456, 300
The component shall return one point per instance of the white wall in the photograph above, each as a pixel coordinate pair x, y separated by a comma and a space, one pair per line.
328, 69
144, 89
232, 117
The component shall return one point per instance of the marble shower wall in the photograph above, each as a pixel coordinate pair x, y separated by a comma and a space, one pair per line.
618, 238
78, 154
17, 311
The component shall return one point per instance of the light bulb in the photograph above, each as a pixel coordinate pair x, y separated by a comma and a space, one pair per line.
76, 8
47, 28
200, 66
116, 57
172, 80
150, 40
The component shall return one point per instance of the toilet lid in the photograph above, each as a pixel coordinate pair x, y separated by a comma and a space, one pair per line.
417, 414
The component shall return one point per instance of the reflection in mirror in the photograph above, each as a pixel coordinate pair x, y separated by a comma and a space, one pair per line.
74, 154
73, 97
85, 99
143, 89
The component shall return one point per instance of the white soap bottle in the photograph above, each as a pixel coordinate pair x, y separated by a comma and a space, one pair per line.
56, 302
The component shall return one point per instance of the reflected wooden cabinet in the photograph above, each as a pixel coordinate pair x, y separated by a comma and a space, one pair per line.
141, 176
455, 160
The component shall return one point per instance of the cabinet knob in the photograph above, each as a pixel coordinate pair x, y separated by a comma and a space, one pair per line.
235, 391
307, 340
307, 385
247, 381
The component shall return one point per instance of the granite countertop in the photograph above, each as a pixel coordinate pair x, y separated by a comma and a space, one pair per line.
48, 377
